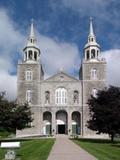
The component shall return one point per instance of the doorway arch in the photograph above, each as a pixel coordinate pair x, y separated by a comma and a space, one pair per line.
76, 123
47, 125
61, 122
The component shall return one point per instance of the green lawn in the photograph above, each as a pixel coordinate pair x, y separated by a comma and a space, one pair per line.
101, 149
37, 149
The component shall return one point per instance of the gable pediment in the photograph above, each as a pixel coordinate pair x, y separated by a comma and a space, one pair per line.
61, 76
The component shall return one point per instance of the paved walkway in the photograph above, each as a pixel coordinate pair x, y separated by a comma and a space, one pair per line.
65, 149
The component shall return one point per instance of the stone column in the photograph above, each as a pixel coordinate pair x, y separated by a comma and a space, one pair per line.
24, 56
85, 55
69, 124
53, 123
33, 55
96, 54
27, 55
90, 54
81, 123
41, 124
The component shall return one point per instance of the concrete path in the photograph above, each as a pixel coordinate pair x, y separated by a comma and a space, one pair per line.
65, 149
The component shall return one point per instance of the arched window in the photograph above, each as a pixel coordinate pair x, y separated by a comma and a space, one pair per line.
30, 54
88, 54
93, 53
89, 39
76, 97
47, 97
97, 53
28, 75
93, 73
94, 92
28, 95
61, 96
35, 55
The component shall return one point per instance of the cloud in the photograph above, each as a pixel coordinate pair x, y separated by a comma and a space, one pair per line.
8, 84
10, 37
10, 42
113, 65
59, 55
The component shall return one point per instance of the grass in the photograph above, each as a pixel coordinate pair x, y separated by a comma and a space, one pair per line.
101, 149
34, 149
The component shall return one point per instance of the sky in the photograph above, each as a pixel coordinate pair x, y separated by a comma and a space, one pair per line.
61, 28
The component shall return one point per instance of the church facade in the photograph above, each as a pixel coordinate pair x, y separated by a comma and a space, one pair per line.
59, 103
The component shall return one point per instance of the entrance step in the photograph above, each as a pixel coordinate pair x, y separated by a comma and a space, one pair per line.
61, 136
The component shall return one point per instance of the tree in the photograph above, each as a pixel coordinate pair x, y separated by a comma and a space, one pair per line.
13, 116
105, 112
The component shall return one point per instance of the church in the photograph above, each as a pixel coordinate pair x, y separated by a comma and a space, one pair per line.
59, 103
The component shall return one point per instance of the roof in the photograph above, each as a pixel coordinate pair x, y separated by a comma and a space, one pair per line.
61, 76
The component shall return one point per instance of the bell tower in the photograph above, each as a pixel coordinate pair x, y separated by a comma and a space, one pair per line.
92, 74
30, 72
31, 50
92, 48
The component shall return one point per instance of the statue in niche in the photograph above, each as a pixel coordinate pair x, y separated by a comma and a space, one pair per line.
76, 97
47, 97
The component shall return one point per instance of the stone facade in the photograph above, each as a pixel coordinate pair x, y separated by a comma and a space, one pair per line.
59, 103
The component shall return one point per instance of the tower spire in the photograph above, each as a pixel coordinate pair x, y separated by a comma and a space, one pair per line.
32, 32
91, 32
31, 37
91, 36
92, 48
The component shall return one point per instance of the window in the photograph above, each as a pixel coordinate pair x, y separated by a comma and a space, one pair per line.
88, 54
97, 53
61, 96
31, 124
28, 75
93, 53
28, 96
30, 54
35, 55
93, 73
94, 92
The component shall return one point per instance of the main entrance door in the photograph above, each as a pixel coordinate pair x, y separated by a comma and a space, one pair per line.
61, 129
61, 122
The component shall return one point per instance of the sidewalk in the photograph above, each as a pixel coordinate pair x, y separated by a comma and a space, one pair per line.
65, 149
